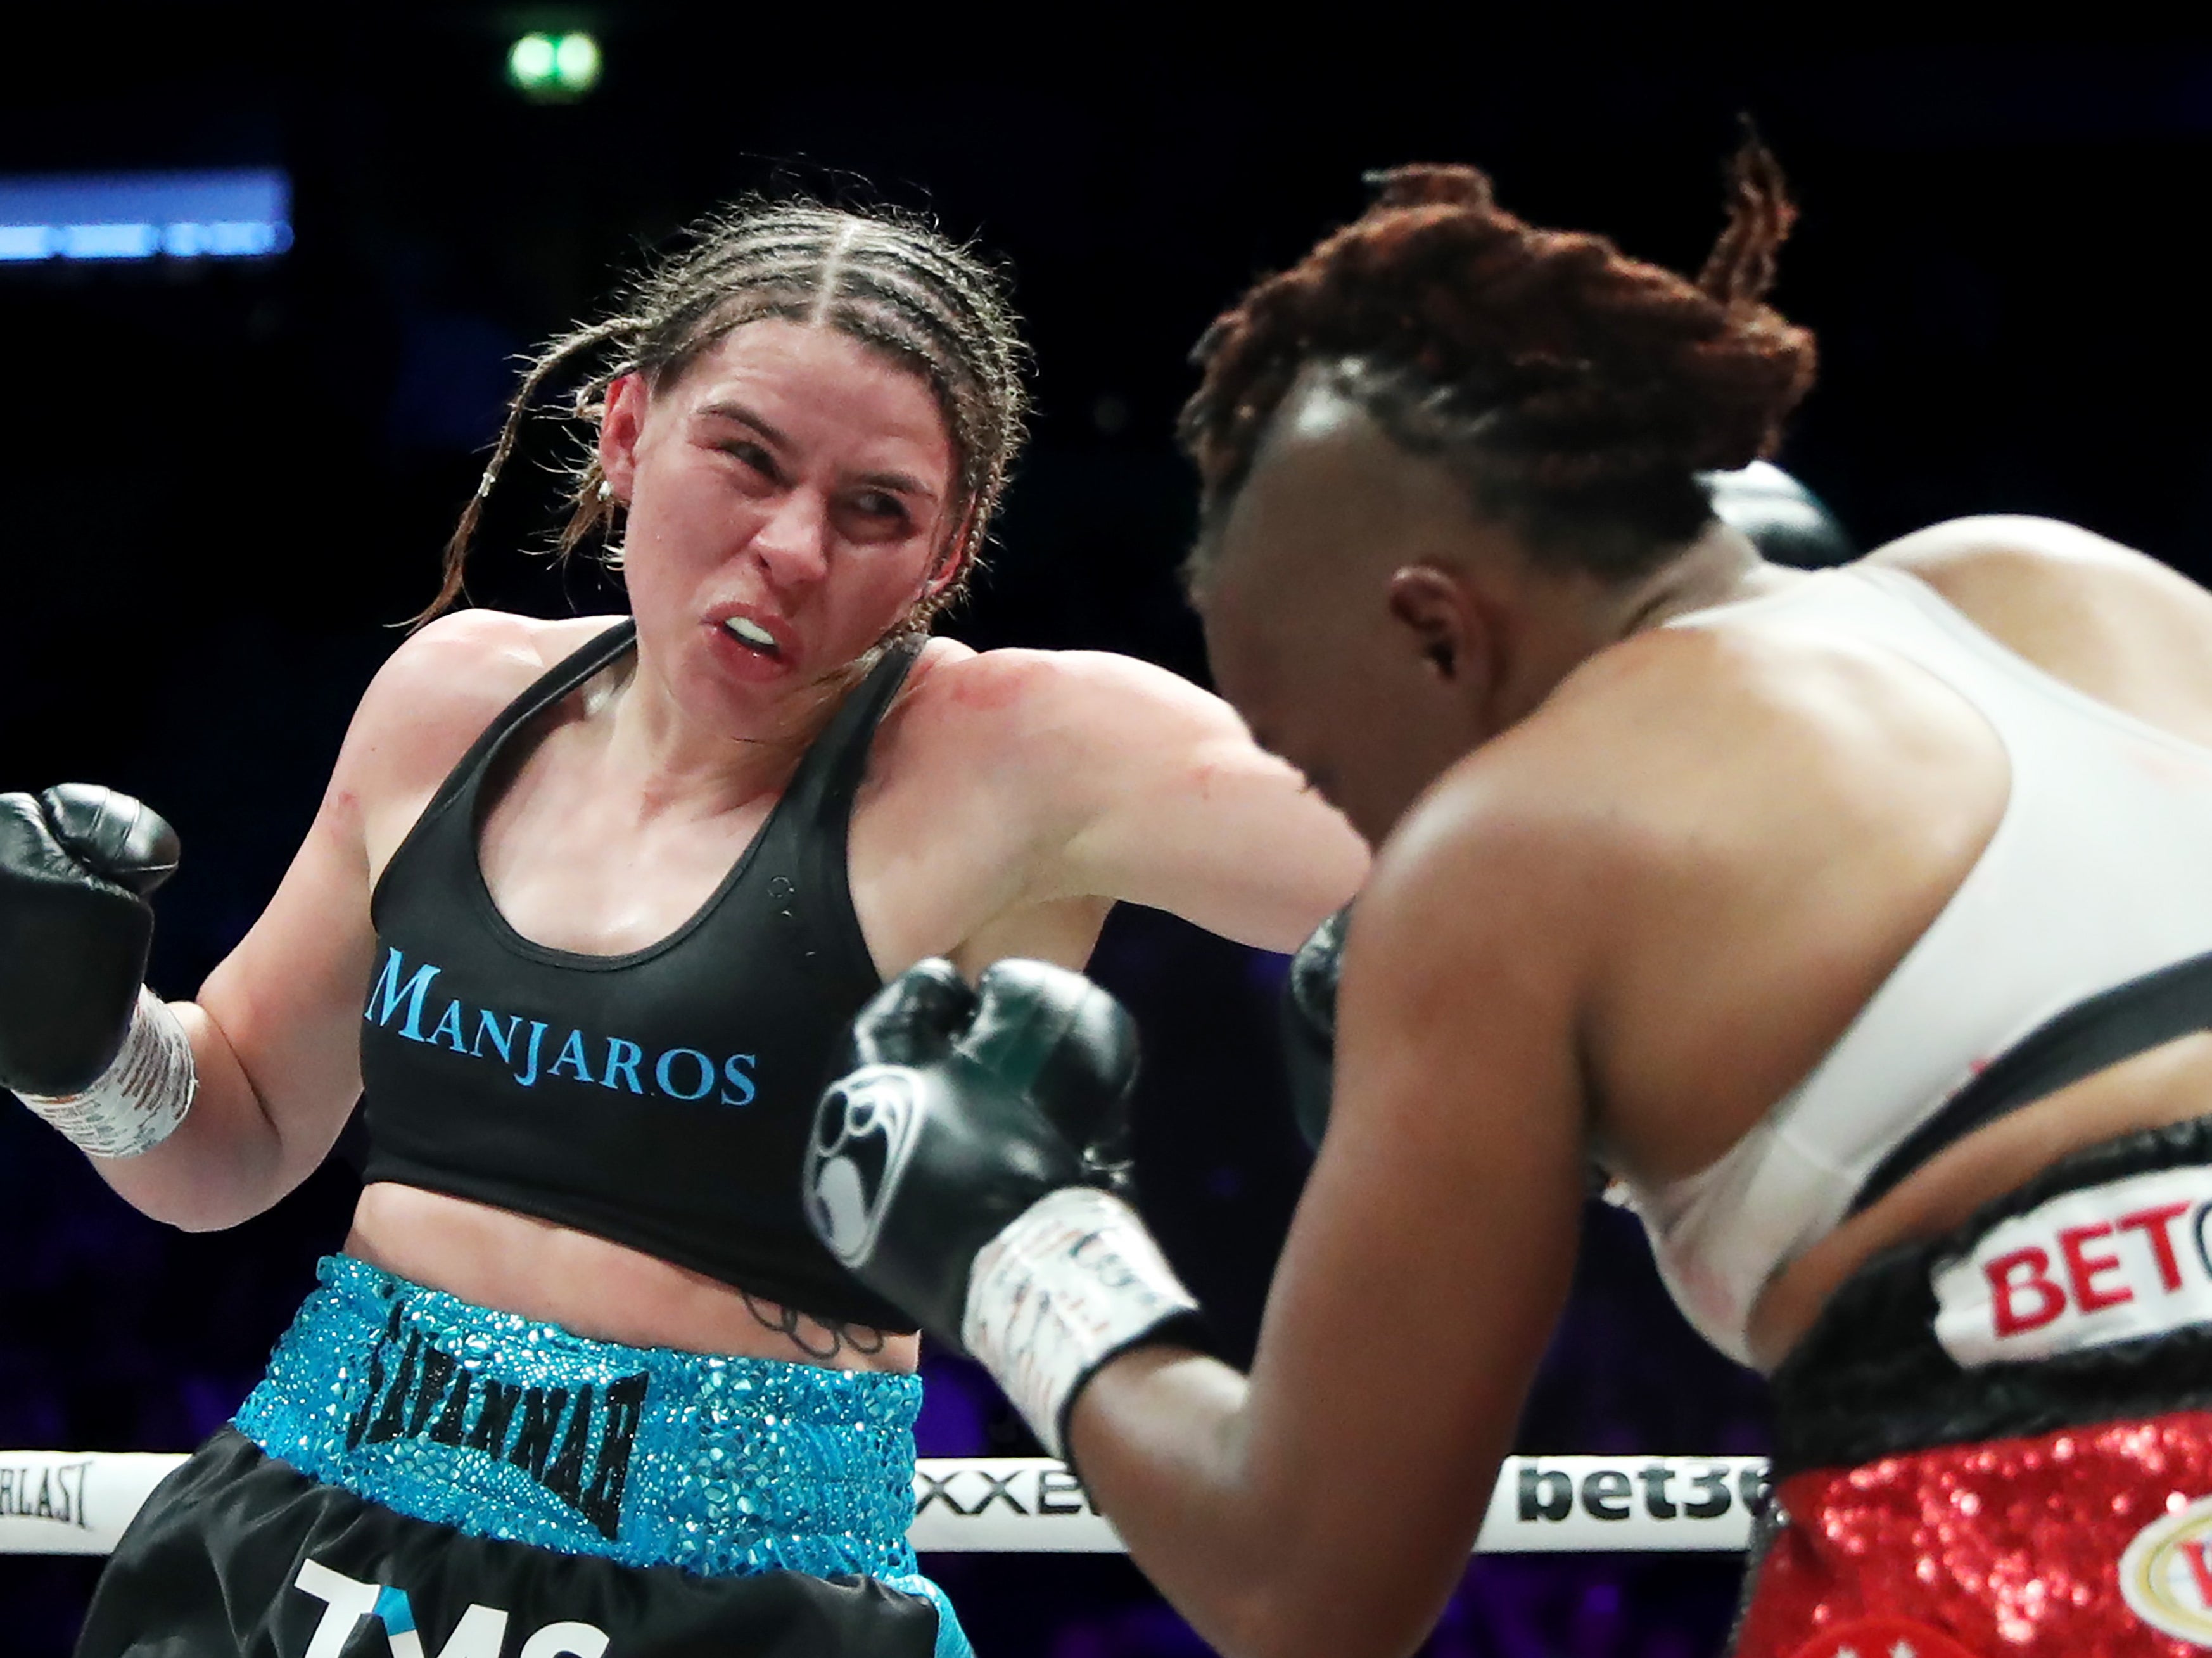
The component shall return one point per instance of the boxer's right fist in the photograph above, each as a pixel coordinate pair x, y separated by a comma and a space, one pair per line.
76, 864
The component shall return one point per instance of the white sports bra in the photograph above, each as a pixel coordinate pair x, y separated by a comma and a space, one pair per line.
2100, 871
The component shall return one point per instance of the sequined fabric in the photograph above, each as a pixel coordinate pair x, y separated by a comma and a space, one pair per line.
2011, 1546
505, 1428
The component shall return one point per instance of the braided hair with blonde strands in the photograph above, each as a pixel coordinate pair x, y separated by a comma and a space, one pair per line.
932, 306
1576, 392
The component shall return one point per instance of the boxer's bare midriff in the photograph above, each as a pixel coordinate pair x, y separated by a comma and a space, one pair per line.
593, 1286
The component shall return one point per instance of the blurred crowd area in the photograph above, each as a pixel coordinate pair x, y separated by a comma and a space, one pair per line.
229, 479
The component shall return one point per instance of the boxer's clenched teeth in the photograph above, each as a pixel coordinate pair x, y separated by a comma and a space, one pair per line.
751, 633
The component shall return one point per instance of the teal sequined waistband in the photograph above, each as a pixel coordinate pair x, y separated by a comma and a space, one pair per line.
502, 1427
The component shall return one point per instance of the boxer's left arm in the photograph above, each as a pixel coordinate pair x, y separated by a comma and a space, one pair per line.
275, 1029
1327, 1503
1160, 797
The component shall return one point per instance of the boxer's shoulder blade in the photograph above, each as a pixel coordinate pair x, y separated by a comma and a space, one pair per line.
2112, 622
1663, 831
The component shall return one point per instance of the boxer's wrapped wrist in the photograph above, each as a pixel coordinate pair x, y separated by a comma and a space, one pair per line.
1072, 1282
138, 1101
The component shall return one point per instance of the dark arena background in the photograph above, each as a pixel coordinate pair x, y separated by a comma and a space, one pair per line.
233, 453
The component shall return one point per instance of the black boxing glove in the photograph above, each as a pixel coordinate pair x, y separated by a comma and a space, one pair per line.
1310, 1025
963, 1171
913, 1021
80, 1040
1787, 522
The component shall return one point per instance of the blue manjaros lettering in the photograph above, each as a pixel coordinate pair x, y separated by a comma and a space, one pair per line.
401, 1001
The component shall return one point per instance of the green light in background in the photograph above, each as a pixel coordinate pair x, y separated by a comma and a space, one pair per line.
576, 62
550, 68
531, 61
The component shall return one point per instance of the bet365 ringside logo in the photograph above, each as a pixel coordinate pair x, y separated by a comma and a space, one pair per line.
1611, 1493
2166, 1575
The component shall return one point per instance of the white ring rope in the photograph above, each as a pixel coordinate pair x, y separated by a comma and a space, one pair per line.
79, 1502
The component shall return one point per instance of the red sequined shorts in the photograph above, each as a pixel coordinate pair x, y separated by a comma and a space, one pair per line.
2077, 1543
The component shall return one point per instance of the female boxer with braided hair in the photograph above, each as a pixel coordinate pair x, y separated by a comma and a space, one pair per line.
585, 913
1860, 922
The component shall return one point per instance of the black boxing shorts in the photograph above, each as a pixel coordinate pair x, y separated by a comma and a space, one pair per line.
236, 1553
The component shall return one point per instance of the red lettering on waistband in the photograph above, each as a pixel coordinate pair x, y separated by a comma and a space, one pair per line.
2152, 1224
2037, 1281
2084, 1268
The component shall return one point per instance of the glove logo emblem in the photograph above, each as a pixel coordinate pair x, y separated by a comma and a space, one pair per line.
863, 1136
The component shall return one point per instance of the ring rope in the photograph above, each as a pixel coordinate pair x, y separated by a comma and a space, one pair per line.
79, 1503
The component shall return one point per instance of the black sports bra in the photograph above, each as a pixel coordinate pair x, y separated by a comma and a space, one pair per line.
661, 1099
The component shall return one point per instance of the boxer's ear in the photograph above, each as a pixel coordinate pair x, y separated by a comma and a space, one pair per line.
1438, 623
619, 431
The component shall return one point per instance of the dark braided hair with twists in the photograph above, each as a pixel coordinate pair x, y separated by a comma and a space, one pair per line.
889, 280
1576, 392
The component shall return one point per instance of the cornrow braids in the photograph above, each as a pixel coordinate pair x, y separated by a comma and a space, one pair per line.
1576, 392
892, 282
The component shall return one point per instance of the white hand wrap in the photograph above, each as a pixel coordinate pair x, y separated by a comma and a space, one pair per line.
137, 1101
1073, 1281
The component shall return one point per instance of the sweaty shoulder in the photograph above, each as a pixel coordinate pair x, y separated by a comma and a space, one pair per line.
1701, 826
1041, 701
1664, 720
438, 691
1099, 777
1963, 553
1681, 758
2106, 619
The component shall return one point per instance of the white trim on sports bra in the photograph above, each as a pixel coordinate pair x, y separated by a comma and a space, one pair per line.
2100, 871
